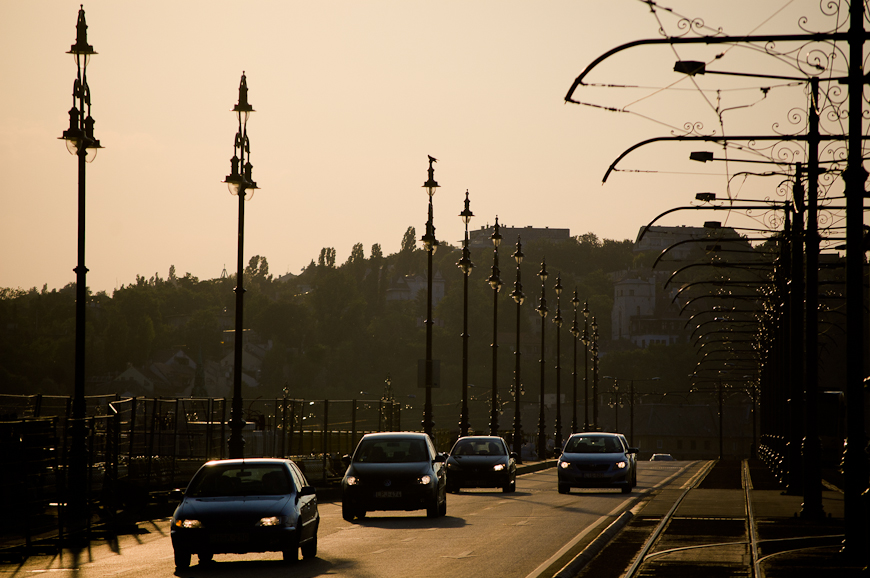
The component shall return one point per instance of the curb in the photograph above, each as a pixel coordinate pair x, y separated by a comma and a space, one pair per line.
595, 547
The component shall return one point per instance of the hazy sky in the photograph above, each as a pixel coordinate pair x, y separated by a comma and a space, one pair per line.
351, 97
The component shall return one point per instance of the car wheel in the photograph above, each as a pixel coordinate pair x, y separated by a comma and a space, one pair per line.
564, 489
442, 508
205, 557
432, 509
309, 548
347, 512
510, 487
182, 559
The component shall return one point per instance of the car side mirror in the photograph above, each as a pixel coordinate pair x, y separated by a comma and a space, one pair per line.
176, 494
632, 451
306, 491
515, 455
345, 459
439, 457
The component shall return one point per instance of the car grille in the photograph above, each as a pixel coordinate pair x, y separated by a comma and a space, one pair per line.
592, 467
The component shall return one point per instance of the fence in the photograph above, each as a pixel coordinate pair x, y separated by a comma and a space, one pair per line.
142, 447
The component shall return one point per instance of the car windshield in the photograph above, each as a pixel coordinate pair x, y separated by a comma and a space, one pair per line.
478, 448
391, 451
592, 445
240, 480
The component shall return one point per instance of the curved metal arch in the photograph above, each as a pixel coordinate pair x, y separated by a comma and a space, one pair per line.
713, 296
719, 265
723, 282
718, 320
705, 312
704, 208
811, 37
707, 240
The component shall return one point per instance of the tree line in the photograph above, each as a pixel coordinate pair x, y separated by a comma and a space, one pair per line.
332, 330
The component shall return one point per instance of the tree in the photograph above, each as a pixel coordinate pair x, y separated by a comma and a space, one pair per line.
409, 241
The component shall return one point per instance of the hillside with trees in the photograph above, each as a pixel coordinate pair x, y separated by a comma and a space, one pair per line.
330, 332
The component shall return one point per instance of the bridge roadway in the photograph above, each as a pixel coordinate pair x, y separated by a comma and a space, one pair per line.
533, 532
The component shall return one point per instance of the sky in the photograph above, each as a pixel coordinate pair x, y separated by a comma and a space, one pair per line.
351, 98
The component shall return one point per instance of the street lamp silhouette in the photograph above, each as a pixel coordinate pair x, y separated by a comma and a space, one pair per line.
575, 331
518, 297
594, 374
239, 183
466, 265
557, 321
495, 282
542, 311
586, 341
431, 244
80, 141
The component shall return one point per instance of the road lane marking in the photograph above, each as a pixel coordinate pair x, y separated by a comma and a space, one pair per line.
459, 556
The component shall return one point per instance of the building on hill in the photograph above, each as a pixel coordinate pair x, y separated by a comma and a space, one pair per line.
482, 238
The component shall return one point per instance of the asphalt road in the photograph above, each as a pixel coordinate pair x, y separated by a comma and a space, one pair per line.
530, 533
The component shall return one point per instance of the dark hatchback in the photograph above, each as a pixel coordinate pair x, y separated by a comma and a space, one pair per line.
394, 471
246, 505
596, 460
481, 462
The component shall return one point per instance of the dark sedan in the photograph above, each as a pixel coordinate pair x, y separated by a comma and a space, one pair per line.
481, 462
596, 460
394, 471
246, 505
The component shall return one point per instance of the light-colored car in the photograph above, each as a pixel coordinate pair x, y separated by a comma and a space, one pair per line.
596, 460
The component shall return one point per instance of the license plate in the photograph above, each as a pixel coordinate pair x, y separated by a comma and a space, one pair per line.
385, 494
592, 475
238, 538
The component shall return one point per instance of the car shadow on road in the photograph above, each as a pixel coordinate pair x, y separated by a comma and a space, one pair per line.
276, 568
389, 522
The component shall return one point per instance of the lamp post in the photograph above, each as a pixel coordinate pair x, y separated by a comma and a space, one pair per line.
542, 311
495, 282
518, 297
557, 321
80, 141
239, 183
594, 374
466, 265
431, 243
586, 340
575, 331
616, 404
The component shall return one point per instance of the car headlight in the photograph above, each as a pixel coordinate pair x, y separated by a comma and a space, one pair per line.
183, 523
425, 480
498, 467
351, 480
270, 521
564, 465
621, 465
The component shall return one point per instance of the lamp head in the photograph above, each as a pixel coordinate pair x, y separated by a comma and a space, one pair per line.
466, 214
496, 234
81, 48
431, 184
518, 254
243, 108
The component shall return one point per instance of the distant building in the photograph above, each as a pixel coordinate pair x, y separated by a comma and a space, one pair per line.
406, 288
482, 238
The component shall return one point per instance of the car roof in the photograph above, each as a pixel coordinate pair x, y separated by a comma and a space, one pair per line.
596, 434
247, 461
397, 435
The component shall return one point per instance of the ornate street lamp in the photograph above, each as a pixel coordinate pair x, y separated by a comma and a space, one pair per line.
495, 282
239, 182
586, 341
80, 141
594, 374
431, 244
518, 297
542, 311
557, 321
466, 265
575, 331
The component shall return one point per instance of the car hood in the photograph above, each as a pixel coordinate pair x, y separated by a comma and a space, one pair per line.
593, 458
400, 469
228, 508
